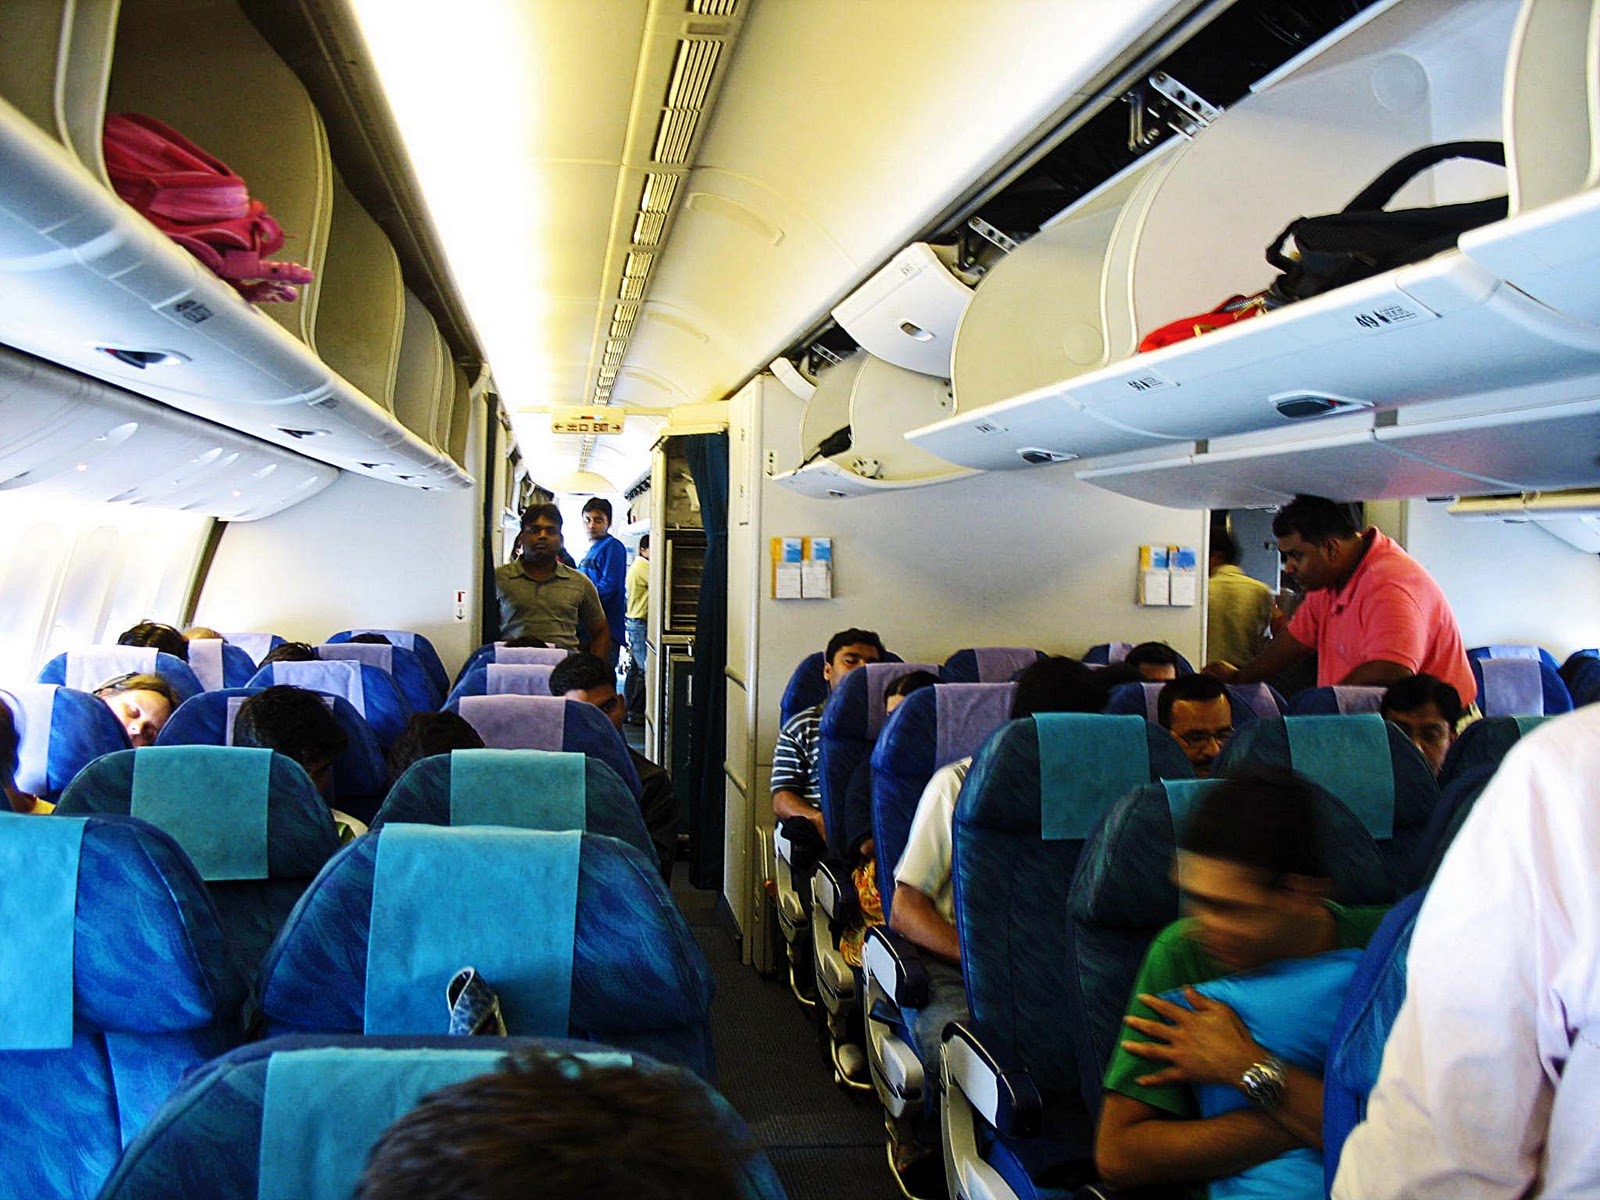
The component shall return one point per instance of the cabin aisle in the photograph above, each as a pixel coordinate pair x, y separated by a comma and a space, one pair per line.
824, 1143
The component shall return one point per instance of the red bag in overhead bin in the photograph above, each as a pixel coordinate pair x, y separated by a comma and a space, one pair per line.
1230, 312
194, 199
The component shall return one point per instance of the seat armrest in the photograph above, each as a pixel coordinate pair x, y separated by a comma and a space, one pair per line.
833, 889
1002, 1092
895, 964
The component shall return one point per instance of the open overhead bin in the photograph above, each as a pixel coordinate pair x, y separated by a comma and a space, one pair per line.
907, 313
854, 431
88, 283
1443, 332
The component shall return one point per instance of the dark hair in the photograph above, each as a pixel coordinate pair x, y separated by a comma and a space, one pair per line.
581, 672
1224, 546
427, 734
552, 1124
290, 652
852, 637
10, 743
165, 638
1154, 653
370, 639
528, 639
1414, 691
1262, 817
534, 511
911, 681
596, 504
1058, 684
1197, 688
293, 721
136, 681
1315, 519
644, 542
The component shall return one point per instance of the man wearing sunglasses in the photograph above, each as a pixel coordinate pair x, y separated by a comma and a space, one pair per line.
1195, 710
591, 680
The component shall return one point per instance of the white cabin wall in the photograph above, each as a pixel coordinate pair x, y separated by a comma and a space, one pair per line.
1508, 583
360, 553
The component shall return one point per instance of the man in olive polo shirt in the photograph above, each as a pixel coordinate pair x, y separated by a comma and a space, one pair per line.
541, 597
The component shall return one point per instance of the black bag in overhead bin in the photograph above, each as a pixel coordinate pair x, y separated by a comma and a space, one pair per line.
1317, 254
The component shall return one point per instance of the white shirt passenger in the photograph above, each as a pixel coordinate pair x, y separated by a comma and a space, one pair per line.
930, 843
1490, 1085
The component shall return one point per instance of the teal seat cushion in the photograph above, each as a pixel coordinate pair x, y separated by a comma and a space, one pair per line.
37, 950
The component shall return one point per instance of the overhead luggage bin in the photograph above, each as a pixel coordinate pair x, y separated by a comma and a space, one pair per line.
876, 402
907, 313
362, 313
1549, 121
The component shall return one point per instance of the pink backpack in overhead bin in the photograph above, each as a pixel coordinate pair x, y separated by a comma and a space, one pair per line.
199, 203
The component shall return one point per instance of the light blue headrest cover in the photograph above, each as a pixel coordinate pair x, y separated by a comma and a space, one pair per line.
212, 800
504, 901
339, 678
325, 1109
1349, 756
38, 920
88, 668
371, 653
517, 679
1086, 763
205, 659
517, 722
523, 789
1512, 687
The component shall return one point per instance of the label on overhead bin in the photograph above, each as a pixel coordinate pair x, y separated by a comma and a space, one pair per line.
1389, 315
1148, 381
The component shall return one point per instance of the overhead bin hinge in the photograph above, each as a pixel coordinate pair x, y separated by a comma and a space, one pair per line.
1161, 101
990, 234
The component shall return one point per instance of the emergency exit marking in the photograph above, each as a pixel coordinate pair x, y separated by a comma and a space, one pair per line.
461, 605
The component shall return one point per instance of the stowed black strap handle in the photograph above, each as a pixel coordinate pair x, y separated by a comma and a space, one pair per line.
1382, 189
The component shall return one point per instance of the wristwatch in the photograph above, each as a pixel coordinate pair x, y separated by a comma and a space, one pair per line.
1263, 1082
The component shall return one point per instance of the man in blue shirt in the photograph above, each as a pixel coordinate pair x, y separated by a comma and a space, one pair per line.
606, 565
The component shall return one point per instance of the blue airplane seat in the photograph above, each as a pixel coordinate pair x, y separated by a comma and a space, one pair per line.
503, 679
60, 732
499, 652
256, 645
369, 691
416, 643
854, 715
1581, 674
360, 778
1363, 760
300, 1101
1514, 650
549, 723
402, 665
807, 688
128, 985
1340, 700
988, 664
251, 821
1247, 701
575, 932
1484, 743
1106, 653
1519, 687
1124, 894
1362, 1028
1036, 792
218, 665
92, 666
1455, 806
525, 789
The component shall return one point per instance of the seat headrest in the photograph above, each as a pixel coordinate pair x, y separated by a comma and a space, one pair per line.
988, 664
1511, 687
256, 645
370, 653
92, 666
343, 678
517, 679
549, 723
549, 655
62, 731
856, 707
1348, 700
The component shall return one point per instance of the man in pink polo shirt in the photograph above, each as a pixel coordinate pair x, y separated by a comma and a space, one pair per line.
1371, 613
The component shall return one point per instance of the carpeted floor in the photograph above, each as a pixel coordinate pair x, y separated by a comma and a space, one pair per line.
824, 1142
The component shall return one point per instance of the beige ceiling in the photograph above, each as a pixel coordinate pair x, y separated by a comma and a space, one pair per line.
841, 128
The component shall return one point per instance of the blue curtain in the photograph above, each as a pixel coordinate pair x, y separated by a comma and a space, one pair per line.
707, 455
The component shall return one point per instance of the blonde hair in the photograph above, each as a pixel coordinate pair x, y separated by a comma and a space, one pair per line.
202, 633
139, 683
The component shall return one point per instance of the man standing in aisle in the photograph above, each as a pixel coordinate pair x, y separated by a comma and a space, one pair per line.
606, 566
539, 597
1239, 608
637, 620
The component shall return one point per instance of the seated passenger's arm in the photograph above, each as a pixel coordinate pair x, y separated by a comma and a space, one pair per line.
918, 919
791, 777
787, 803
1281, 653
1139, 1144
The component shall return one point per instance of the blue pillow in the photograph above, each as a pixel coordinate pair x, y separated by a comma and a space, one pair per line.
1289, 1008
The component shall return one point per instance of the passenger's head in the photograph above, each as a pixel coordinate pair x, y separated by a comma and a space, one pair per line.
597, 518
902, 686
589, 680
1427, 711
1224, 549
200, 633
142, 703
165, 638
528, 639
1156, 661
1195, 710
1058, 684
1250, 867
295, 722
540, 539
427, 734
847, 650
370, 639
1319, 540
644, 546
548, 1125
290, 652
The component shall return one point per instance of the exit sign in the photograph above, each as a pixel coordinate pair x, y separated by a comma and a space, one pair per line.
585, 421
